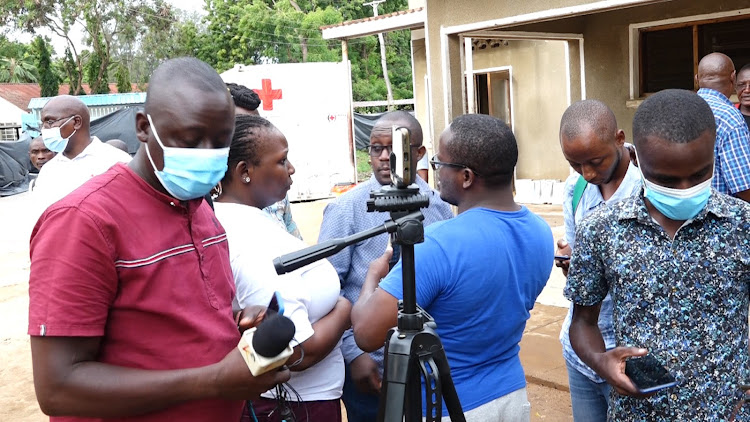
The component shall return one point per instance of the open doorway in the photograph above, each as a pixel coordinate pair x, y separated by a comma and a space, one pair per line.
493, 95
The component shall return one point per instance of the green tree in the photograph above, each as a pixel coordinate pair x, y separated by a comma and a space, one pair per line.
96, 71
49, 81
123, 79
13, 49
288, 31
73, 73
105, 23
15, 70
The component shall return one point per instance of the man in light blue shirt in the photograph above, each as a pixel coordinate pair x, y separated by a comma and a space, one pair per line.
348, 215
594, 147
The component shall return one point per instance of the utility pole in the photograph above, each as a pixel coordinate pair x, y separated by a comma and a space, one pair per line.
384, 65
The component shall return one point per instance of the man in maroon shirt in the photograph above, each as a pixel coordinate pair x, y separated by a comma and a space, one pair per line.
130, 289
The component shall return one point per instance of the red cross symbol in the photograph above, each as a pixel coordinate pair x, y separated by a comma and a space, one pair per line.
267, 94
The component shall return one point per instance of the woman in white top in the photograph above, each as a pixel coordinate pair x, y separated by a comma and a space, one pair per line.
259, 174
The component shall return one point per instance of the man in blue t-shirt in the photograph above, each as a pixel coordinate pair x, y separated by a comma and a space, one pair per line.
477, 274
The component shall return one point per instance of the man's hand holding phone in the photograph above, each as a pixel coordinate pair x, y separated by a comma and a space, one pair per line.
610, 365
562, 255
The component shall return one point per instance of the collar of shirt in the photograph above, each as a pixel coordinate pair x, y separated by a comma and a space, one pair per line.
708, 92
423, 186
635, 208
592, 196
95, 144
190, 206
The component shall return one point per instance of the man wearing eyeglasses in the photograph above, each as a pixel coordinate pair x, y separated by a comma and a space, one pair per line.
348, 215
80, 156
742, 87
716, 79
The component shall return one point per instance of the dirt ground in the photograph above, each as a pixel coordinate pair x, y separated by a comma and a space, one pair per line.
17, 398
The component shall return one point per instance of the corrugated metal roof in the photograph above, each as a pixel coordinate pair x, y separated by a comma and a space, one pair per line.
21, 94
99, 100
374, 18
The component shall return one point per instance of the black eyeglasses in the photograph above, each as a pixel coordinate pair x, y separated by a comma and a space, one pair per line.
436, 164
376, 150
48, 123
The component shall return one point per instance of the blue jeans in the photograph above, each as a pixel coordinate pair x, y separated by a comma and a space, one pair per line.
590, 400
360, 407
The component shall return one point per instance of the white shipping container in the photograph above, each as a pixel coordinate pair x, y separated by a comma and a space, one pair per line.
311, 104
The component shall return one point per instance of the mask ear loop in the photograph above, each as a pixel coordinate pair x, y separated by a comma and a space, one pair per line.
156, 136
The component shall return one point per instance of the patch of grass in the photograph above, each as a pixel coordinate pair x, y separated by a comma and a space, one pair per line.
364, 170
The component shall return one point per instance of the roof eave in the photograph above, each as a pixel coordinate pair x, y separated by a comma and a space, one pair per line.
413, 20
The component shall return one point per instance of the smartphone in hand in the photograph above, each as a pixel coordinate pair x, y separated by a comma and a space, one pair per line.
275, 306
648, 374
562, 257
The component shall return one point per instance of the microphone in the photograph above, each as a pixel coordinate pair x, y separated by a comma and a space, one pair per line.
266, 346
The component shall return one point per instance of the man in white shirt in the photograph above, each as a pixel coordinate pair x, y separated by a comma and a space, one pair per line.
65, 130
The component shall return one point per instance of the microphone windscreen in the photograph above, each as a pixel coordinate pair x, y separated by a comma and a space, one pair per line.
273, 335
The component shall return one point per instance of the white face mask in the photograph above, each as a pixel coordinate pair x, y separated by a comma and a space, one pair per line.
53, 140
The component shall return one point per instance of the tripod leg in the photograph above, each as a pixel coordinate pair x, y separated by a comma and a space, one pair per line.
432, 389
450, 396
395, 371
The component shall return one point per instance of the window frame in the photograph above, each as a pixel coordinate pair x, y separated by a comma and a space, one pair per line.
636, 43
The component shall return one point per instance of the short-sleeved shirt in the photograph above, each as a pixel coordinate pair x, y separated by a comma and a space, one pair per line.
478, 275
61, 175
684, 299
348, 215
591, 200
309, 293
732, 148
147, 273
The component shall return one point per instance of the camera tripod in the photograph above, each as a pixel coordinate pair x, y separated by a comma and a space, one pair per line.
413, 350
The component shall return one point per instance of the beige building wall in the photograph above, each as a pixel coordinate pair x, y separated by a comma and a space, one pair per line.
540, 96
444, 53
606, 43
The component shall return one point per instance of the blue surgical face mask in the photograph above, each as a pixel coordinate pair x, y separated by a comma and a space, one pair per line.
678, 204
189, 173
53, 140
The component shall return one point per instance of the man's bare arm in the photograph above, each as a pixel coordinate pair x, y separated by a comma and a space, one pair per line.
69, 381
588, 344
376, 311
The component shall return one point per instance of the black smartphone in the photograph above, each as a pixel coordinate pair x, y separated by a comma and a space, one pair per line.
648, 374
562, 257
275, 306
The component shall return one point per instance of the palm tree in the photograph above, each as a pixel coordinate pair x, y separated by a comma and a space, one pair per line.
15, 70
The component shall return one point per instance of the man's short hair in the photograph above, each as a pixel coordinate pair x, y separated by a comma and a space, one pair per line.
588, 113
485, 144
744, 68
674, 115
244, 97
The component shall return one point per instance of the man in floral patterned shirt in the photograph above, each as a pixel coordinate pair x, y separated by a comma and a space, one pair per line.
676, 260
